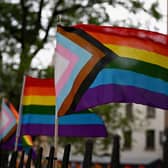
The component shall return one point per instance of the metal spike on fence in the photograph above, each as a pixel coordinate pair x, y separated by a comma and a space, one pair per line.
39, 158
3, 157
28, 163
21, 163
65, 160
88, 154
12, 163
51, 158
115, 157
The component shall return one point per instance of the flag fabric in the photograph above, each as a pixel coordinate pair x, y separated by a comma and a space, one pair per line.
8, 142
79, 57
25, 142
7, 122
38, 113
139, 74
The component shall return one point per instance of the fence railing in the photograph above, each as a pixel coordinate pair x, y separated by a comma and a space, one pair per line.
87, 158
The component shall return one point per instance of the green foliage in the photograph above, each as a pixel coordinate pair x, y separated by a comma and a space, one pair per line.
154, 12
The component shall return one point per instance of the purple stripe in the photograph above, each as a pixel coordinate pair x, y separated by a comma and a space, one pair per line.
10, 143
37, 129
65, 130
118, 93
82, 131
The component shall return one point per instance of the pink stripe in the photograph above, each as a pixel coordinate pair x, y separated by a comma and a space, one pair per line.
72, 59
10, 119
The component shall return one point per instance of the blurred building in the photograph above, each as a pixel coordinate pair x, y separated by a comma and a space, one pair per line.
143, 142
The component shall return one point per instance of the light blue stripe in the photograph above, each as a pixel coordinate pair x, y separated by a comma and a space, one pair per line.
8, 129
129, 78
83, 55
9, 111
80, 119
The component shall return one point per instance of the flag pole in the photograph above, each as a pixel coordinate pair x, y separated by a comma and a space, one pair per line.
56, 114
19, 117
56, 137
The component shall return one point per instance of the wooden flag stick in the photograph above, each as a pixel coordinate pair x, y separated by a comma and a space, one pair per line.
20, 117
56, 139
56, 115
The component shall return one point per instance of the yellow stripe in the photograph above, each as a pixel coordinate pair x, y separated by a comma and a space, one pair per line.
39, 100
139, 54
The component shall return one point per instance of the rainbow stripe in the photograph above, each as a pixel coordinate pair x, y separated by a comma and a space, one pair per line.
27, 140
139, 74
79, 57
38, 114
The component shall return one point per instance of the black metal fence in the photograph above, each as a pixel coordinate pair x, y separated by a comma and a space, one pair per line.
53, 162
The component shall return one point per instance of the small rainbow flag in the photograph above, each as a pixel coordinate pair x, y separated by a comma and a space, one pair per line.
38, 113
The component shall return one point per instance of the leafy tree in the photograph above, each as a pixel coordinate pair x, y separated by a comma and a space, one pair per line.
26, 26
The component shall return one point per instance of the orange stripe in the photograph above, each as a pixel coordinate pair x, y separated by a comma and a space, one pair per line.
41, 91
131, 42
15, 113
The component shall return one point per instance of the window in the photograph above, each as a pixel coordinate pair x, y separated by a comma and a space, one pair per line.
129, 112
161, 137
150, 112
150, 139
127, 139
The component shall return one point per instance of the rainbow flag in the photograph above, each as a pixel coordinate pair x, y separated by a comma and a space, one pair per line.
79, 57
8, 142
139, 74
38, 113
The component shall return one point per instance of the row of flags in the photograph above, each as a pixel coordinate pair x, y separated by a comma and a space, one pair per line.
38, 117
95, 65
38, 113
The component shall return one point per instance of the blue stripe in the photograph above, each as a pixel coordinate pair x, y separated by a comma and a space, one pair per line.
37, 119
84, 57
74, 119
129, 78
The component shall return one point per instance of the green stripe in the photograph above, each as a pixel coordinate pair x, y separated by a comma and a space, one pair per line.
139, 67
34, 109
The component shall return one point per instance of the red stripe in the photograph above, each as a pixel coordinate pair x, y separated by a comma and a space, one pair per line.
130, 37
30, 81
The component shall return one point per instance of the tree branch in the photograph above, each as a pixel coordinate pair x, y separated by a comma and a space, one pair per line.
38, 26
54, 14
23, 29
